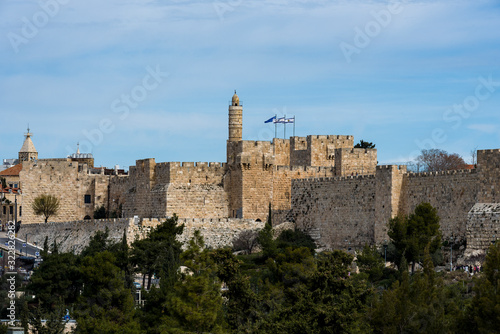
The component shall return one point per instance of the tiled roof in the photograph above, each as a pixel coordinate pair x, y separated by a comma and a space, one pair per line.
467, 167
12, 171
6, 190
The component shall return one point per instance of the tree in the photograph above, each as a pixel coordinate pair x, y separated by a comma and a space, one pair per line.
267, 242
266, 237
435, 160
324, 298
246, 241
100, 213
3, 182
46, 205
371, 262
195, 305
364, 144
56, 281
295, 239
54, 325
159, 253
411, 235
485, 308
105, 305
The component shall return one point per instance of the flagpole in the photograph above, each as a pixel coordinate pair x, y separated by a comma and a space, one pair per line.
284, 128
275, 126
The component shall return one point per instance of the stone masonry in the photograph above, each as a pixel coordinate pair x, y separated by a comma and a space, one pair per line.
320, 182
74, 236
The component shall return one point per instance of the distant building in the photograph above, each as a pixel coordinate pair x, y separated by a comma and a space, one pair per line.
7, 163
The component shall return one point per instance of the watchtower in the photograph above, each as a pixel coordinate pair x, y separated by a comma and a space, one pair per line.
235, 119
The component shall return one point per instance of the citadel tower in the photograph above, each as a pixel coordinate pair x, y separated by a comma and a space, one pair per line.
235, 119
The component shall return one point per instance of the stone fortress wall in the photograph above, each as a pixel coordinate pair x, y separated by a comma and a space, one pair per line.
321, 183
190, 190
356, 209
74, 236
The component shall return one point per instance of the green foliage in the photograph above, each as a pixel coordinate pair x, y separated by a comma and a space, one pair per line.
286, 289
159, 253
100, 213
292, 266
295, 239
57, 280
105, 304
3, 182
98, 243
370, 261
45, 250
325, 300
54, 324
196, 302
485, 308
46, 206
267, 242
411, 235
364, 144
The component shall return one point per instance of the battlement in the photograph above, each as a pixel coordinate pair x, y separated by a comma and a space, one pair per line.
370, 151
441, 173
489, 151
331, 137
335, 179
198, 164
401, 169
304, 169
281, 141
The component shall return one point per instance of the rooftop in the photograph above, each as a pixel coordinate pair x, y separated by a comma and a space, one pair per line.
12, 171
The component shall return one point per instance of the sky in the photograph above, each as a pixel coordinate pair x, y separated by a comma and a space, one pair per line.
135, 79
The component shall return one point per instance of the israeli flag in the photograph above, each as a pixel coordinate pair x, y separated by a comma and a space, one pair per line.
280, 120
290, 120
272, 119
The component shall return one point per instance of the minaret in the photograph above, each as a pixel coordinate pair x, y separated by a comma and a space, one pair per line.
235, 119
28, 151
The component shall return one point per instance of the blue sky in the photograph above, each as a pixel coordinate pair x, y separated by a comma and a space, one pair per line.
405, 75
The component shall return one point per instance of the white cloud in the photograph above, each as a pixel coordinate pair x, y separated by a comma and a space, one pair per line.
484, 128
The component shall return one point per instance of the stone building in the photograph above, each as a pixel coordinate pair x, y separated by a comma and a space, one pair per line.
28, 152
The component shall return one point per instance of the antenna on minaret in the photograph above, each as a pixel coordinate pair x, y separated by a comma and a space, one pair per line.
78, 148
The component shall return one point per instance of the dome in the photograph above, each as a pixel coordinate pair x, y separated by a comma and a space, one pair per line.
236, 99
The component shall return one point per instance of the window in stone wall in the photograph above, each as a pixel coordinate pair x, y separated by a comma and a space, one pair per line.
20, 211
11, 210
88, 199
4, 210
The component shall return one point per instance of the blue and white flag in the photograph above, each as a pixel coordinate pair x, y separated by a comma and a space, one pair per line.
280, 120
272, 119
290, 120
